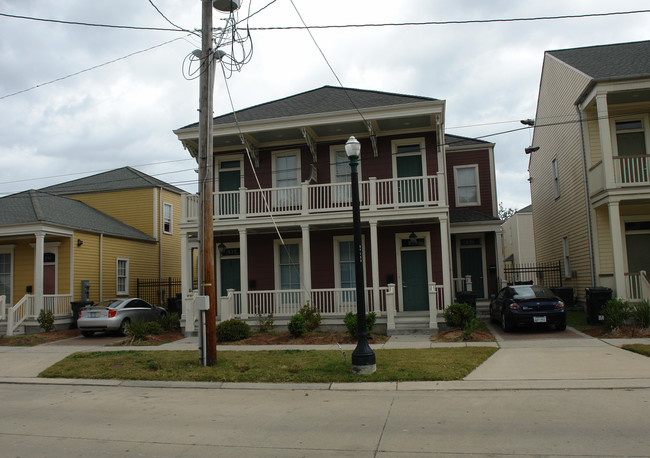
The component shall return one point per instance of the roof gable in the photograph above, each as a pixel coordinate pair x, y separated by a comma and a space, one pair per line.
615, 61
33, 207
113, 180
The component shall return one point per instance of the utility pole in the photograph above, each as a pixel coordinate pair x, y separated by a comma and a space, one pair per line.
206, 181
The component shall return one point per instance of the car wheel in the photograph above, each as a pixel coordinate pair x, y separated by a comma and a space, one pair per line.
504, 324
125, 322
561, 326
87, 333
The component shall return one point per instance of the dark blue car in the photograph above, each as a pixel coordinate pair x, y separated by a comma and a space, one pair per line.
527, 305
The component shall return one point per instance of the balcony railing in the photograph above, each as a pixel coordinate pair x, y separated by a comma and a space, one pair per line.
306, 199
632, 170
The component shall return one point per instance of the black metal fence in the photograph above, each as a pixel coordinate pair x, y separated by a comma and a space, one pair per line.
548, 274
158, 291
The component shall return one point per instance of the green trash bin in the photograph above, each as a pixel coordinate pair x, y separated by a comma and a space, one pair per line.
467, 297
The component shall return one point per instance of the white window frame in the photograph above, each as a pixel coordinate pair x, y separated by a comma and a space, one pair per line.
9, 249
277, 247
565, 257
283, 153
395, 144
645, 128
478, 187
118, 291
555, 177
171, 218
337, 258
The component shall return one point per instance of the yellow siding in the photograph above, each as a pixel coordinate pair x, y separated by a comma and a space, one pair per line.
133, 207
171, 243
558, 136
142, 258
86, 265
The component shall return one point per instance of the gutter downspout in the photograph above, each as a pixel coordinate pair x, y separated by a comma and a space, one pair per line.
584, 176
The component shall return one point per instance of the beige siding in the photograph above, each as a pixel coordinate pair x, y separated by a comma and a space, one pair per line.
558, 135
139, 212
593, 138
603, 238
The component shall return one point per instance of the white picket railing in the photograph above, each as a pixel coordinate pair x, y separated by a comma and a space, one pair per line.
25, 309
307, 198
632, 170
637, 287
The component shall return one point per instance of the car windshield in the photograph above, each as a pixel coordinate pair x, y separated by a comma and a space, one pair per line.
111, 304
531, 292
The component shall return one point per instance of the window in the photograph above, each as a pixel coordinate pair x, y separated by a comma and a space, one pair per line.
122, 276
5, 276
346, 264
167, 218
286, 168
341, 173
289, 266
556, 179
467, 191
631, 147
565, 257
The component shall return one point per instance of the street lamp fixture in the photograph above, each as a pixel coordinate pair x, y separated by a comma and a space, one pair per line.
363, 358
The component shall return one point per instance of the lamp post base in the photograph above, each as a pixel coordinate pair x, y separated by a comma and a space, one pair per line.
364, 370
363, 358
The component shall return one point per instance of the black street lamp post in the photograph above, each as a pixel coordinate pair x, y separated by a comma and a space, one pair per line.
363, 358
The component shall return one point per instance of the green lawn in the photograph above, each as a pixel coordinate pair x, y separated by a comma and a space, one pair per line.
277, 366
641, 349
577, 319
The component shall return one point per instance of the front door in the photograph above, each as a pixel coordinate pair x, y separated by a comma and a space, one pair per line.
471, 263
409, 191
230, 275
414, 280
49, 279
229, 181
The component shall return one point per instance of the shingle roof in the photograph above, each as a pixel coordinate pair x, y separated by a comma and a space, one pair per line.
30, 207
461, 215
113, 180
327, 99
615, 61
458, 141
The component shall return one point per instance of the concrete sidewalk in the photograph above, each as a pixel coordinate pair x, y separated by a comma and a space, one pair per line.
545, 363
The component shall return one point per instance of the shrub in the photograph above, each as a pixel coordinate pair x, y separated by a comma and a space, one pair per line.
140, 330
297, 325
46, 319
640, 312
232, 330
615, 312
469, 329
459, 315
169, 321
265, 322
311, 315
351, 322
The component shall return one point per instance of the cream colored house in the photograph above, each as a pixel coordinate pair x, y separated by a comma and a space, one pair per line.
106, 231
589, 179
518, 237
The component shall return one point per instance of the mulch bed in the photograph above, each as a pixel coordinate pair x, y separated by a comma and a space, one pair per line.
38, 338
456, 335
624, 332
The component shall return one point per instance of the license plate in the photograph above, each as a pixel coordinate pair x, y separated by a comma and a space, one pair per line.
92, 314
539, 319
601, 317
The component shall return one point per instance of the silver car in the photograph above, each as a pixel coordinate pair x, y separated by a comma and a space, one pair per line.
116, 314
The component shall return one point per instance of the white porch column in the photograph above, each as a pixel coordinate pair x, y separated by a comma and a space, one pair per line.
187, 312
617, 248
306, 260
39, 251
374, 259
499, 244
605, 140
243, 272
445, 251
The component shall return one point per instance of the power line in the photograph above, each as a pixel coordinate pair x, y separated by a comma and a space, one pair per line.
167, 19
91, 24
90, 68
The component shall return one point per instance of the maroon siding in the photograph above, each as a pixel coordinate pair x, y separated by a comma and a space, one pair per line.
482, 159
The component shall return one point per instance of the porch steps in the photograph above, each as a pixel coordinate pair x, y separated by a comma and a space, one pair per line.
412, 323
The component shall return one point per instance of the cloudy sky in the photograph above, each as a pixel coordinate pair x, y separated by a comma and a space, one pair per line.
123, 113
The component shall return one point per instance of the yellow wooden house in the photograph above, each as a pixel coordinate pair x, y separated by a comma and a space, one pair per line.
84, 240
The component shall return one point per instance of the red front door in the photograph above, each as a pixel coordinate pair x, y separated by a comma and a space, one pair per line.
49, 277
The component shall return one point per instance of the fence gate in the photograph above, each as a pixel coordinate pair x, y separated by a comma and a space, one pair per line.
157, 291
548, 274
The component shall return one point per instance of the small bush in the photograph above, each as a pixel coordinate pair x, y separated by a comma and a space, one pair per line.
169, 321
311, 315
615, 312
265, 322
297, 325
351, 322
232, 330
470, 328
459, 315
46, 319
640, 312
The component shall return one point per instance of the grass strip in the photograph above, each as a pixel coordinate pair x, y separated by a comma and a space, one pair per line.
641, 349
276, 366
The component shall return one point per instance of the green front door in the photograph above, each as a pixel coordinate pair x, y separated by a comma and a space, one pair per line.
230, 278
414, 280
471, 263
409, 190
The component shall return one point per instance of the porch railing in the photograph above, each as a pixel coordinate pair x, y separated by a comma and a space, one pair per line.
632, 170
637, 286
319, 198
25, 309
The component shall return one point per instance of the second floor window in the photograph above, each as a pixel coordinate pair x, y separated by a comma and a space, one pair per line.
467, 191
167, 218
286, 173
630, 138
